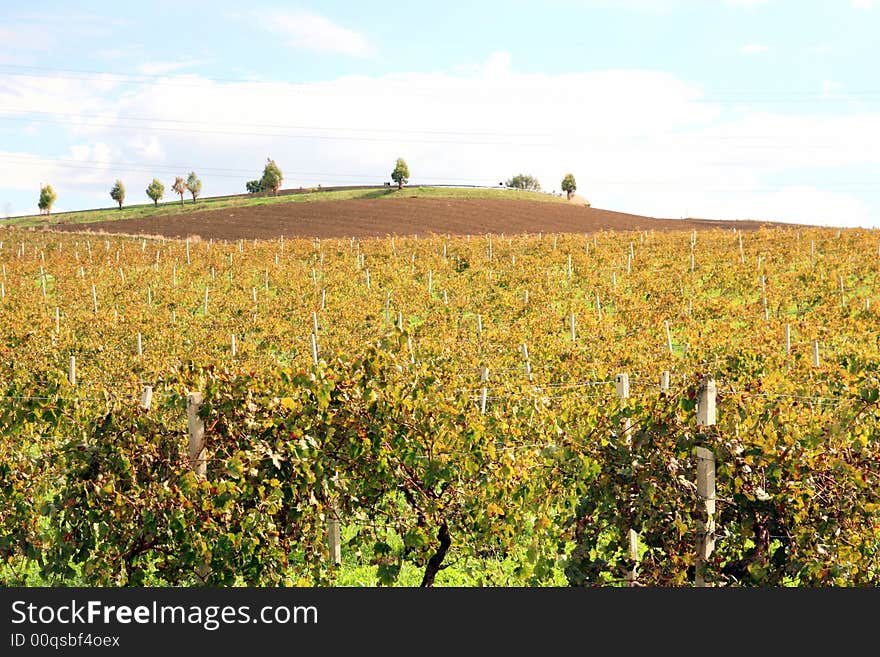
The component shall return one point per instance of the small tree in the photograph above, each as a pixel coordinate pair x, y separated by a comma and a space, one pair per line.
118, 192
569, 185
179, 187
524, 181
47, 198
400, 175
194, 185
156, 190
253, 186
272, 177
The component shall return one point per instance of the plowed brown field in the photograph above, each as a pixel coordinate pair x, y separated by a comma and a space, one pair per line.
410, 216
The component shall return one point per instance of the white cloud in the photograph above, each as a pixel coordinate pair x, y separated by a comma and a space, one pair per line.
645, 142
498, 64
310, 31
753, 49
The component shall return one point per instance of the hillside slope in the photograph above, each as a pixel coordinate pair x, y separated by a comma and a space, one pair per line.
406, 216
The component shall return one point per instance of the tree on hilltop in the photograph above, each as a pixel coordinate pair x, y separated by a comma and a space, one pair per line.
194, 185
569, 185
179, 187
272, 177
117, 193
47, 198
400, 175
156, 190
524, 181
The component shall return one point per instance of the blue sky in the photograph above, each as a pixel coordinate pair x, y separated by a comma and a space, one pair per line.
748, 109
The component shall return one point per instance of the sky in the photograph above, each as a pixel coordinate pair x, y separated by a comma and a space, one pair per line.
726, 109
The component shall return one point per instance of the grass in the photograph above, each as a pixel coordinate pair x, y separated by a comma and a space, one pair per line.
147, 210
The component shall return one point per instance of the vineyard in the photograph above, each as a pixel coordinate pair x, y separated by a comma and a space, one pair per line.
524, 410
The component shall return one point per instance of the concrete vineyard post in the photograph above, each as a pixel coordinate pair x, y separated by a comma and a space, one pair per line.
196, 429
147, 398
633, 541
621, 388
706, 402
705, 512
334, 540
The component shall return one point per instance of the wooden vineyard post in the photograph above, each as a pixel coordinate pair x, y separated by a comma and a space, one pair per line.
147, 398
668, 337
196, 428
705, 483
571, 326
664, 382
71, 371
233, 346
787, 339
479, 326
314, 340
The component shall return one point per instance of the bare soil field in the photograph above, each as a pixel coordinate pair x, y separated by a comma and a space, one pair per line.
409, 216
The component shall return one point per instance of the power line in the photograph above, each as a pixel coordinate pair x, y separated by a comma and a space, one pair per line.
713, 96
149, 166
270, 125
216, 172
273, 135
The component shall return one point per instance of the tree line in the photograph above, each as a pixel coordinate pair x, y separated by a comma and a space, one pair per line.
271, 180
